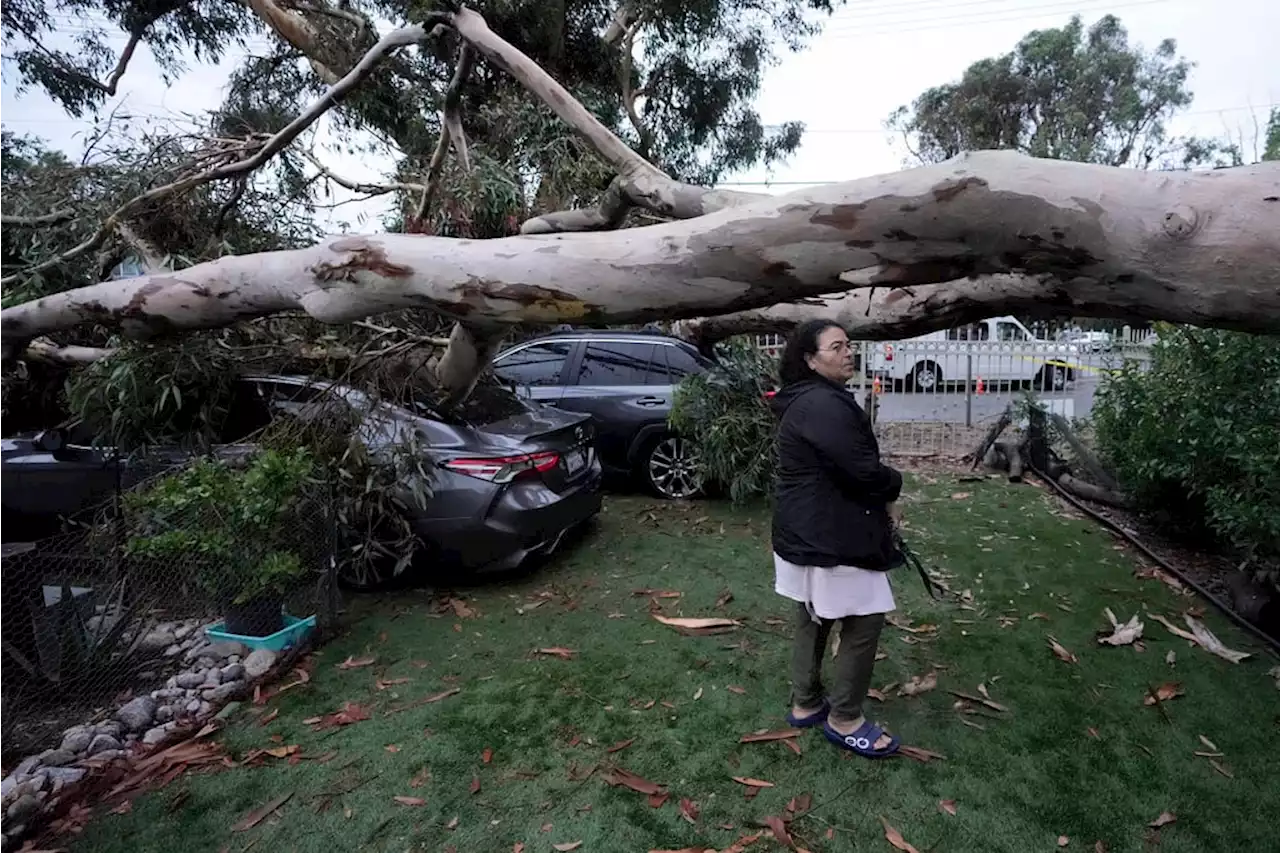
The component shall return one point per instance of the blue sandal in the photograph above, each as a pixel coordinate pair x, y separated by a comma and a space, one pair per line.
815, 719
862, 741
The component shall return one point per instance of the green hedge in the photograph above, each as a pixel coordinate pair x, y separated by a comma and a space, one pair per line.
1197, 437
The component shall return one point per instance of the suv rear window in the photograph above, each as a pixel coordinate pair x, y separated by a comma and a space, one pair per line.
620, 363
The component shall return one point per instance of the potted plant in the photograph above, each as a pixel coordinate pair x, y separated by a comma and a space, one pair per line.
229, 530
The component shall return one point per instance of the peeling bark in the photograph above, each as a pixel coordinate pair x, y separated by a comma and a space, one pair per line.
1200, 248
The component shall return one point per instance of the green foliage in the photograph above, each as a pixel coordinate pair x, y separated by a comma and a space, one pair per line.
81, 649
1067, 94
726, 414
1196, 437
147, 394
1272, 149
230, 527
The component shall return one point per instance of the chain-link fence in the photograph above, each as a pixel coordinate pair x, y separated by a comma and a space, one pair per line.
145, 599
939, 394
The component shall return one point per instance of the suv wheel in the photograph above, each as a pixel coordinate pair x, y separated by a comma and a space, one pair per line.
670, 468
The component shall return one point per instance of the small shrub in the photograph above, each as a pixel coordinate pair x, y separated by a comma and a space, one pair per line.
231, 527
726, 414
1197, 437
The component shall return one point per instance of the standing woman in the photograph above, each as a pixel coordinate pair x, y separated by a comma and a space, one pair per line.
833, 543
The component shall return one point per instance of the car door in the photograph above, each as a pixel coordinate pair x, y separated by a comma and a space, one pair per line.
617, 383
537, 370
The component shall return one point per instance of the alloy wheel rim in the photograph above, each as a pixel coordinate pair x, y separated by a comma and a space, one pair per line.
674, 469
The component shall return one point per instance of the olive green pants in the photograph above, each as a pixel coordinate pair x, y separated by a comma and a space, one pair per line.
855, 661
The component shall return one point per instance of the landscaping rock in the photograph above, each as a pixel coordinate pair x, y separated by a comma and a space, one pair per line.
168, 694
59, 758
26, 767
234, 659
205, 709
8, 789
103, 742
183, 631
164, 714
259, 662
212, 678
232, 672
225, 649
110, 727
77, 740
67, 775
193, 707
156, 735
205, 662
188, 680
173, 651
23, 808
157, 641
137, 714
223, 692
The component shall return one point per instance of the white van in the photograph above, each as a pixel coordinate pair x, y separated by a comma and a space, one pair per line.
997, 350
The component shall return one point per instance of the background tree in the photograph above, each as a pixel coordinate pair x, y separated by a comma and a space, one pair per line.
1069, 94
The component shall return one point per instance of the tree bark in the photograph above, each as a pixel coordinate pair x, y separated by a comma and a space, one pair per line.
1001, 232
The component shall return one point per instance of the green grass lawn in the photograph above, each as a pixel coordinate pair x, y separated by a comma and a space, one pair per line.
1077, 753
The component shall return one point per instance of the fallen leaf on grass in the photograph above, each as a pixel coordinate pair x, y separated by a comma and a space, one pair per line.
1165, 819
410, 801
780, 734
487, 755
799, 805
269, 717
1093, 732
1171, 657
1121, 635
709, 625
779, 829
995, 706
461, 609
621, 745
282, 751
1221, 769
1174, 629
420, 778
921, 754
567, 846
518, 847
1063, 841
392, 748
875, 694
625, 778
355, 663
389, 683
725, 598
919, 684
948, 806
1210, 643
895, 838
1061, 653
257, 816
733, 688
1208, 743
697, 695
752, 783
350, 713
1099, 847
792, 745
657, 800
123, 808
959, 496
688, 810
452, 824
558, 651
1165, 692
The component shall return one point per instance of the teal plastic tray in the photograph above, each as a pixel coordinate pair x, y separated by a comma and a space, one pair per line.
295, 630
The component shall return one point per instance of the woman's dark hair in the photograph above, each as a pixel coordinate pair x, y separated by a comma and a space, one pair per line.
802, 343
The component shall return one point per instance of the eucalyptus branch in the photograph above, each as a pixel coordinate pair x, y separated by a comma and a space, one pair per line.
389, 43
450, 132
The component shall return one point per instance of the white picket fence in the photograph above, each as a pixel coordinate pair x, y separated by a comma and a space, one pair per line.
937, 398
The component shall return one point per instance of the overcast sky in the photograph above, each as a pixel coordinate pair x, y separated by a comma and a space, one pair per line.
873, 56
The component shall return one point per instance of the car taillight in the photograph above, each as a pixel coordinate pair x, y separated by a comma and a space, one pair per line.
769, 395
504, 469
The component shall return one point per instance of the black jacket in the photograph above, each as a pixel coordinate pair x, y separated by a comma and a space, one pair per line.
832, 491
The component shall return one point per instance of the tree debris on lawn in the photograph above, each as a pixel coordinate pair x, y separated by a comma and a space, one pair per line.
918, 684
350, 713
1060, 652
980, 700
1210, 643
752, 783
409, 801
353, 662
895, 838
924, 756
688, 810
948, 806
557, 651
1121, 635
257, 816
620, 777
1163, 693
765, 735
1164, 819
698, 626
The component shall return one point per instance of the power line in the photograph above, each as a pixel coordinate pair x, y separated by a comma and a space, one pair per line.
927, 23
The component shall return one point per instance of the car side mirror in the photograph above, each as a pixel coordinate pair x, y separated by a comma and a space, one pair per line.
51, 440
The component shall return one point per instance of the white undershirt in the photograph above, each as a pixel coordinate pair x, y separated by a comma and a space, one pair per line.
835, 592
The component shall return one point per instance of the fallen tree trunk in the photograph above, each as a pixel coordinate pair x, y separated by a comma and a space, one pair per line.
1089, 491
1184, 247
